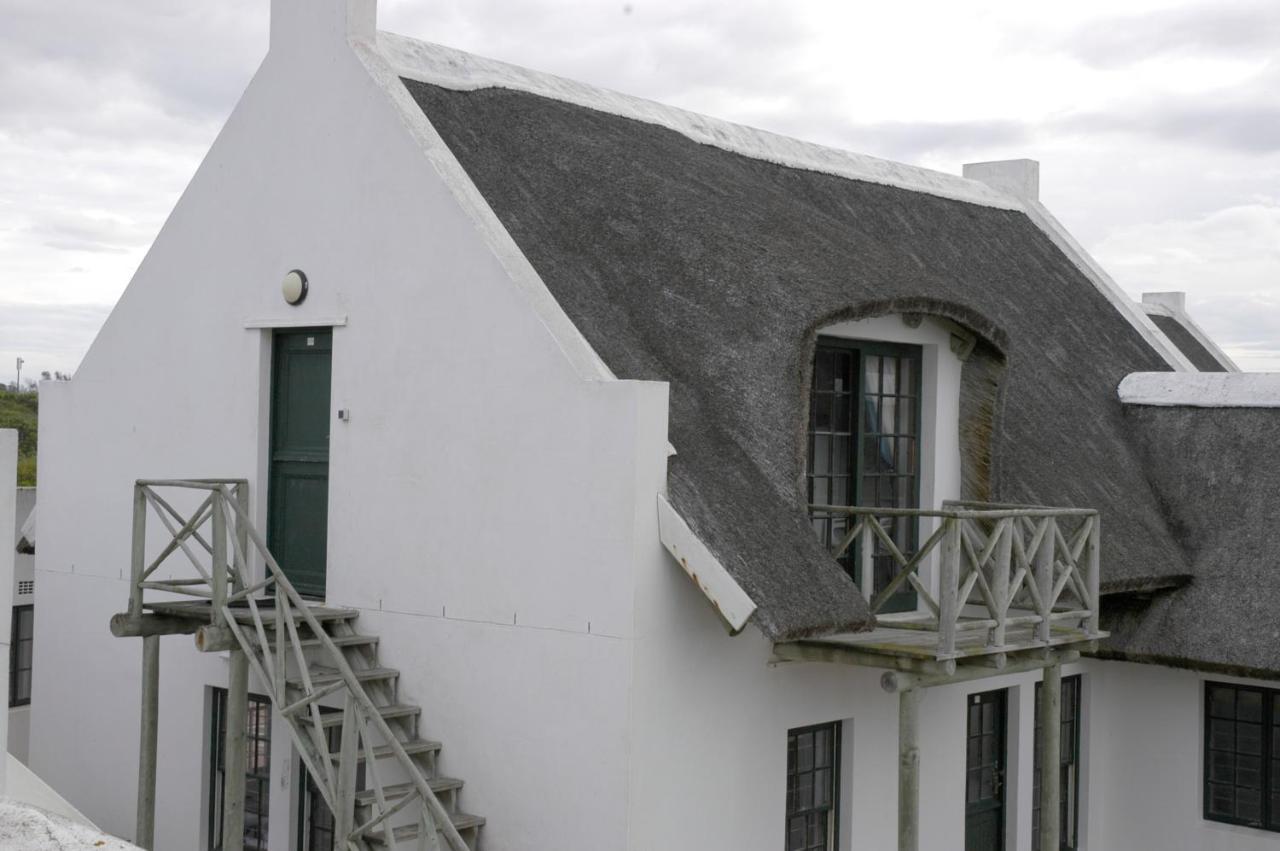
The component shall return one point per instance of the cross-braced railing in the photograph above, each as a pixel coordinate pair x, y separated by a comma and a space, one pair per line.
219, 540
999, 568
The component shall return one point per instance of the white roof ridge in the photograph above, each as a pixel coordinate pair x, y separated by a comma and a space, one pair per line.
456, 69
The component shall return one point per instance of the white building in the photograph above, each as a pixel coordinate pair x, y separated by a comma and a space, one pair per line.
539, 347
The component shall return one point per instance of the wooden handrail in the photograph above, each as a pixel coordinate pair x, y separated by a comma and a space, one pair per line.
226, 580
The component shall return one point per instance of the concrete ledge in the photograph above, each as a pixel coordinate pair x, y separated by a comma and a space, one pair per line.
1202, 389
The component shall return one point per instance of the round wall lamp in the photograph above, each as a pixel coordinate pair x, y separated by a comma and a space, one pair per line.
294, 286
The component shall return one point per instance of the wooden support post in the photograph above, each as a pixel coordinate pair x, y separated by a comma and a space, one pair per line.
949, 589
145, 833
1050, 756
344, 817
138, 561
1093, 574
233, 761
1000, 579
218, 566
1042, 563
866, 564
241, 576
909, 770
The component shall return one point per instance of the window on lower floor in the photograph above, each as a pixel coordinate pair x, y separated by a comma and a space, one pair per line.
20, 642
257, 770
1242, 755
813, 787
315, 819
1068, 772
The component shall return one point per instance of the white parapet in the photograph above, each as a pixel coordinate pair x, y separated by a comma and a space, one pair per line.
1202, 389
1019, 178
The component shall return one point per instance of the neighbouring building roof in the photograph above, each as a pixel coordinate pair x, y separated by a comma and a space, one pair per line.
1181, 336
26, 518
29, 828
684, 261
1215, 471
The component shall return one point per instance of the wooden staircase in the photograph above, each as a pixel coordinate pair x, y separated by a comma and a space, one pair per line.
358, 738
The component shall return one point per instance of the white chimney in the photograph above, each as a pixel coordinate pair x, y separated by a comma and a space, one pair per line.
303, 24
1175, 302
1019, 178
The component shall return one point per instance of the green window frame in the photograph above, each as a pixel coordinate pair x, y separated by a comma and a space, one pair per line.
21, 643
813, 788
865, 446
1069, 772
1242, 755
257, 769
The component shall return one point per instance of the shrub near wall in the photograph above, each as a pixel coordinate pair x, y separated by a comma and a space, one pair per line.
21, 411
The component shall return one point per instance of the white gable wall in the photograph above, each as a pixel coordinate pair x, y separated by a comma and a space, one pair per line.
483, 496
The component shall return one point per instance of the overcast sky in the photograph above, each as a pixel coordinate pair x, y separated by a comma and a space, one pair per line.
1157, 123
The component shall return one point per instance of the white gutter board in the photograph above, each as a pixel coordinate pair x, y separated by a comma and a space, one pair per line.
726, 595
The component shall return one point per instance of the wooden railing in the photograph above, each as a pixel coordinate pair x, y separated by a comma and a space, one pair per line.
218, 540
1000, 568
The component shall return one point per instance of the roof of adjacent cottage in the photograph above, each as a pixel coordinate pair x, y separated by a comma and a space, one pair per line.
1215, 471
1185, 340
708, 255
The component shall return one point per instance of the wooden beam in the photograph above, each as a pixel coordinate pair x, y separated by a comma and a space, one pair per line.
215, 639
234, 760
126, 625
909, 770
895, 681
145, 833
1050, 755
831, 652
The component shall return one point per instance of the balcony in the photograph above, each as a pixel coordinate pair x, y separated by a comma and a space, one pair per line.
991, 582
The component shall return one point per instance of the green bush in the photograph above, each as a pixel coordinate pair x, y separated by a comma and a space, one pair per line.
20, 411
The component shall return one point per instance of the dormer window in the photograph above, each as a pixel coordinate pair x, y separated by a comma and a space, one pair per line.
864, 446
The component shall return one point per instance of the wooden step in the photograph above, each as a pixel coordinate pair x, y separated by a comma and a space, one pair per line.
396, 791
343, 641
200, 610
392, 712
323, 676
464, 823
413, 747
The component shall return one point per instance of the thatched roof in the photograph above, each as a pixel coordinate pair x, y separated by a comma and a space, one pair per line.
711, 270
1181, 336
1217, 474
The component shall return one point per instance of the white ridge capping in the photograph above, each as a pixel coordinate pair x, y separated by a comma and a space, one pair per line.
461, 71
722, 590
1202, 389
1174, 305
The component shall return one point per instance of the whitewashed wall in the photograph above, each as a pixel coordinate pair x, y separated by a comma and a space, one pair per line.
483, 496
24, 566
1148, 729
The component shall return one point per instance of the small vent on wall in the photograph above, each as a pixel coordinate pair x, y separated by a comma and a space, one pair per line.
26, 586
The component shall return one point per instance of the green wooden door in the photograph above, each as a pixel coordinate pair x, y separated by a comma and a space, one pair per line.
298, 491
984, 772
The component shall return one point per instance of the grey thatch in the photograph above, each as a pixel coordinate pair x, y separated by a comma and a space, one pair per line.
714, 271
1200, 357
1216, 472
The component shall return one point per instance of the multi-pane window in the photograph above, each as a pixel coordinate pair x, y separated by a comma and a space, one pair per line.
813, 785
20, 639
1242, 755
864, 446
1068, 772
257, 770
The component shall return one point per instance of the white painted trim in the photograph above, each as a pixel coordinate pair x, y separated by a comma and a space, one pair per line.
1106, 285
455, 69
379, 61
295, 322
726, 595
1193, 328
1202, 389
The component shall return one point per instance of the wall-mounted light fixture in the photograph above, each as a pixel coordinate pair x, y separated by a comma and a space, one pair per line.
294, 286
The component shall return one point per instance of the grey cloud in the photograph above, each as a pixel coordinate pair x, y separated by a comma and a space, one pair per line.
1221, 28
49, 336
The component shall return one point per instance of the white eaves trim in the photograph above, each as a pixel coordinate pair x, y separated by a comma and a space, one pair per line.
1202, 389
726, 595
461, 71
1184, 319
1106, 285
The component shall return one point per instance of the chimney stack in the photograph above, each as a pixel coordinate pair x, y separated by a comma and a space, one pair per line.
313, 24
1019, 178
1176, 302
